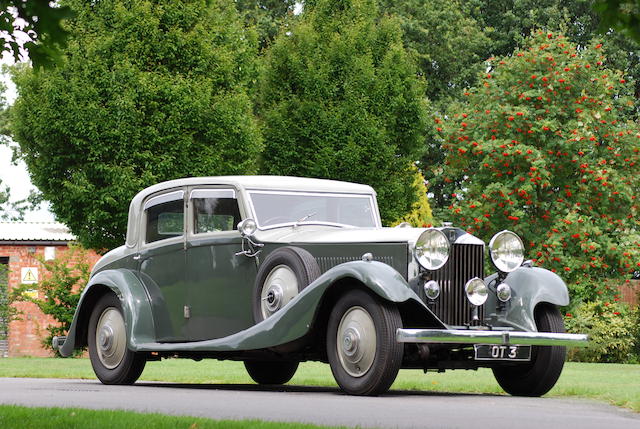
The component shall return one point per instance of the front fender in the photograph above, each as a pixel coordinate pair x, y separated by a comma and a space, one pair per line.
530, 286
294, 320
135, 307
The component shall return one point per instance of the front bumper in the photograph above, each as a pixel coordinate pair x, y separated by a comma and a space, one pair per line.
472, 336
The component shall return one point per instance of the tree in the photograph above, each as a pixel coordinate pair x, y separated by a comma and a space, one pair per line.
420, 216
543, 147
622, 15
147, 91
34, 25
267, 16
339, 98
15, 210
514, 20
447, 44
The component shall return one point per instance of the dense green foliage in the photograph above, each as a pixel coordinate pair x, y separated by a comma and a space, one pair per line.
542, 147
420, 215
513, 20
447, 44
148, 91
6, 310
621, 15
614, 333
59, 290
267, 16
339, 99
39, 22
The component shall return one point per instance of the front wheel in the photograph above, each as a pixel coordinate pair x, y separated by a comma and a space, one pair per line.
361, 343
538, 376
111, 360
270, 372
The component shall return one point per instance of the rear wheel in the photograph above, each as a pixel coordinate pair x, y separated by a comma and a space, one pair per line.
361, 343
111, 360
271, 372
537, 377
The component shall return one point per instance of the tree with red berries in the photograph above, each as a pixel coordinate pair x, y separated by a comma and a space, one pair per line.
543, 147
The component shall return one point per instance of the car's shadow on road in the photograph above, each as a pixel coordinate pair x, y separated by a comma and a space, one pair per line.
297, 389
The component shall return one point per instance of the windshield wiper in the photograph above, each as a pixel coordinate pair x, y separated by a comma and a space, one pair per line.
303, 218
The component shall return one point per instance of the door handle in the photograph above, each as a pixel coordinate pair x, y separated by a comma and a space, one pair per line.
136, 257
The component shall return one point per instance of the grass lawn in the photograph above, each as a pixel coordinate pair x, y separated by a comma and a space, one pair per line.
14, 417
613, 383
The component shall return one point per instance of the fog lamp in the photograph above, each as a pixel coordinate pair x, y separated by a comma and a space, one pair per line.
477, 291
432, 289
503, 291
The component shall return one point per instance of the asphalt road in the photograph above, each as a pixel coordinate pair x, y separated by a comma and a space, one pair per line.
397, 409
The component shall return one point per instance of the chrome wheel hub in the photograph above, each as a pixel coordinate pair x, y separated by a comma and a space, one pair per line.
274, 298
356, 341
280, 287
111, 338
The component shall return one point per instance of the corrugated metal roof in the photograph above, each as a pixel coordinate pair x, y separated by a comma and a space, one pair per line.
34, 231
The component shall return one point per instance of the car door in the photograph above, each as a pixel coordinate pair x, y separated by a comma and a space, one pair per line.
220, 282
161, 263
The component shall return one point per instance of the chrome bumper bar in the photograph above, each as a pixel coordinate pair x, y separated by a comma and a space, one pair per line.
471, 336
58, 341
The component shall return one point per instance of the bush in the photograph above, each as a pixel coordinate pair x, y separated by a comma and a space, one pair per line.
420, 214
6, 311
614, 335
60, 290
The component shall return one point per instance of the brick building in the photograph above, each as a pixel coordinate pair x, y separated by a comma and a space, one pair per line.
20, 242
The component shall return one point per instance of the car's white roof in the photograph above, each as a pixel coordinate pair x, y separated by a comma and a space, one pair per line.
243, 183
280, 183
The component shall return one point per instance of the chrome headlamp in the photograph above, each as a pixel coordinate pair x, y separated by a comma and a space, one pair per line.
507, 251
432, 249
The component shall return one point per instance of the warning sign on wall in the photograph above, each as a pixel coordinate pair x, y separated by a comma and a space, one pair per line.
29, 275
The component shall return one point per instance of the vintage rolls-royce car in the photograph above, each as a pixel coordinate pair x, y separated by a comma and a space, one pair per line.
274, 271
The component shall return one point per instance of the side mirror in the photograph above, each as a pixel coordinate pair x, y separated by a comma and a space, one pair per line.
247, 227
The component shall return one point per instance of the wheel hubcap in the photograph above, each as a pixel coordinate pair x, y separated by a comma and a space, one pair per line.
111, 338
280, 287
356, 340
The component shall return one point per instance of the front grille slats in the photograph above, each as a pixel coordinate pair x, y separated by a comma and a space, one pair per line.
466, 261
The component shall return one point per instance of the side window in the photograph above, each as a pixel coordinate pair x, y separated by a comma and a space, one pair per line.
165, 217
214, 210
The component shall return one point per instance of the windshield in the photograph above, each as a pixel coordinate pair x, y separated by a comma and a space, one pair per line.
276, 208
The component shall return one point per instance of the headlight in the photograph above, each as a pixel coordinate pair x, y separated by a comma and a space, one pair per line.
432, 249
507, 251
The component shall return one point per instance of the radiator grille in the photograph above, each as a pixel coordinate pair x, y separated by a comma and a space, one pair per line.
466, 261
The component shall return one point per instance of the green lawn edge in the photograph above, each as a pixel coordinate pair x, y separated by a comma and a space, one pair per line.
15, 416
616, 384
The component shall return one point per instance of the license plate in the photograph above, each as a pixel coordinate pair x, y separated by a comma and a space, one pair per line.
502, 352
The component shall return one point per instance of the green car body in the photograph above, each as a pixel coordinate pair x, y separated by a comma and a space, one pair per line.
189, 282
